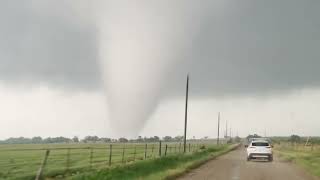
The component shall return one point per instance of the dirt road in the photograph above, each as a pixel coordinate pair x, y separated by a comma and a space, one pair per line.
233, 166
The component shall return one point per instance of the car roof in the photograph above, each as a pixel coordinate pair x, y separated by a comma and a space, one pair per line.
261, 138
260, 141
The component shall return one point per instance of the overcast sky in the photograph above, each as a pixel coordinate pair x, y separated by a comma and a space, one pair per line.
257, 62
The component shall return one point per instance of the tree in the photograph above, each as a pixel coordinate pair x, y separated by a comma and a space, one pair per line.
150, 139
57, 140
75, 139
146, 139
36, 140
140, 139
156, 138
123, 140
253, 136
114, 140
91, 139
106, 140
19, 140
295, 139
178, 138
167, 138
47, 140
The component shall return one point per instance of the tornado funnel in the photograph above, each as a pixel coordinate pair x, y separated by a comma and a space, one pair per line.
141, 43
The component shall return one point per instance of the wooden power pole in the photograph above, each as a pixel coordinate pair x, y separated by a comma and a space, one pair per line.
226, 128
218, 139
186, 117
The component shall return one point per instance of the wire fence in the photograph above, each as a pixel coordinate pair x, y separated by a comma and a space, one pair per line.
30, 163
299, 147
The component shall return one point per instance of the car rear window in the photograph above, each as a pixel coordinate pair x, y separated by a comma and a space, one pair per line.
260, 144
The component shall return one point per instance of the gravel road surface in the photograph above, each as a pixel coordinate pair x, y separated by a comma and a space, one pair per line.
234, 166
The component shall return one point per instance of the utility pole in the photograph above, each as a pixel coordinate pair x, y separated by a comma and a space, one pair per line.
307, 141
226, 128
218, 129
186, 116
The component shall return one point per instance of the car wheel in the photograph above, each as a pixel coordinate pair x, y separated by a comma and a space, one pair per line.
271, 158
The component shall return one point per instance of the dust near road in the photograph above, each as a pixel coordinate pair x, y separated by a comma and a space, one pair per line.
234, 166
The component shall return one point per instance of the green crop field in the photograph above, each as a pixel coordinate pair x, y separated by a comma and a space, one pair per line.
23, 161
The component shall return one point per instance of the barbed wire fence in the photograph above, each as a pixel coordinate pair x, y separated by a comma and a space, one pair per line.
58, 161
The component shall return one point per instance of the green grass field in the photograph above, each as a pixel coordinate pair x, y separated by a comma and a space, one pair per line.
23, 161
306, 157
156, 169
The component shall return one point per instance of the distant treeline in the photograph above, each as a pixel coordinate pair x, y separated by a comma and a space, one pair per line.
297, 139
292, 139
87, 139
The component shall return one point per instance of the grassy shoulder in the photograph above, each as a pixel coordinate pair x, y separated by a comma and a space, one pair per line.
309, 160
162, 168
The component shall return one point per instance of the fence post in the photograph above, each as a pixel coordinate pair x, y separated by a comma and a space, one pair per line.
165, 152
175, 148
91, 156
110, 154
152, 151
135, 152
123, 153
43, 164
145, 151
68, 159
159, 148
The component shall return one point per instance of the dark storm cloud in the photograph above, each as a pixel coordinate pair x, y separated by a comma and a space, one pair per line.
257, 47
250, 47
47, 42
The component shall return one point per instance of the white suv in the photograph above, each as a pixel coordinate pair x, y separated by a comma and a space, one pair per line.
259, 149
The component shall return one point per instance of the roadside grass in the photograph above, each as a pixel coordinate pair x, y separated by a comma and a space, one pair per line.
22, 161
168, 167
309, 160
